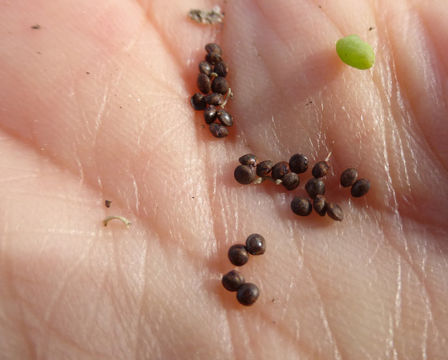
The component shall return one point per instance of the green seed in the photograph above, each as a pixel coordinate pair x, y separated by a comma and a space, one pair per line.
355, 52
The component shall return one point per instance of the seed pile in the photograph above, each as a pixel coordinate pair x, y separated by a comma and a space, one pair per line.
214, 91
247, 293
250, 171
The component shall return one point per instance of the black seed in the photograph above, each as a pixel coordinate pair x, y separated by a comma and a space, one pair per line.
360, 188
213, 58
244, 174
255, 244
232, 280
224, 117
348, 177
290, 181
298, 163
238, 255
315, 187
214, 99
319, 205
279, 170
221, 69
247, 294
218, 130
220, 85
301, 206
205, 68
212, 47
264, 167
203, 83
248, 159
210, 114
320, 169
334, 211
198, 101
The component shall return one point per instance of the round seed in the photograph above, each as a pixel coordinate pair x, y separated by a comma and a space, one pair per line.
210, 114
205, 68
298, 163
224, 117
232, 280
220, 85
203, 83
247, 294
264, 167
214, 99
218, 130
334, 211
315, 187
301, 206
355, 52
320, 169
255, 244
319, 205
212, 47
221, 69
248, 159
213, 58
360, 188
238, 255
198, 101
244, 174
279, 170
291, 181
348, 177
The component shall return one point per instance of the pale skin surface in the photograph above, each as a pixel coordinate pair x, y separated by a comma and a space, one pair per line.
94, 106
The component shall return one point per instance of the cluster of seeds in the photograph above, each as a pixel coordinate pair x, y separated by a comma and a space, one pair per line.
287, 173
214, 92
246, 293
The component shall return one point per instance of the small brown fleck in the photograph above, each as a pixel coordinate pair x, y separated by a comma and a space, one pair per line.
36, 27
107, 203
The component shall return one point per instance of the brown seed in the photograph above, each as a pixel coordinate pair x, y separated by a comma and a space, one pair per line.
248, 159
244, 174
315, 187
213, 58
221, 69
205, 68
218, 130
360, 188
203, 83
247, 294
279, 170
198, 101
212, 47
290, 181
334, 211
319, 205
210, 114
264, 167
255, 244
238, 255
107, 203
224, 117
220, 85
214, 99
232, 280
301, 206
348, 177
298, 163
320, 169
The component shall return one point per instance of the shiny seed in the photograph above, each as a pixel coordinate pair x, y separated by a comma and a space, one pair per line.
319, 205
238, 255
301, 206
214, 99
247, 294
315, 187
205, 68
320, 169
334, 211
218, 130
210, 114
203, 83
279, 170
244, 174
360, 188
264, 167
255, 244
220, 85
212, 47
348, 177
221, 69
232, 280
198, 101
290, 181
248, 159
298, 163
224, 117
213, 58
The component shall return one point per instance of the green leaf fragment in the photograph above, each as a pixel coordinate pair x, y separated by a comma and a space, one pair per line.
355, 52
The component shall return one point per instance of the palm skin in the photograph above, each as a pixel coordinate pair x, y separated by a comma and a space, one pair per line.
94, 106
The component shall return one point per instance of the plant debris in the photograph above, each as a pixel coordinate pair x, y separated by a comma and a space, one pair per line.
121, 218
214, 16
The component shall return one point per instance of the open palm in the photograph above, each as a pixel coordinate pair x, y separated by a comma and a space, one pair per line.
95, 105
